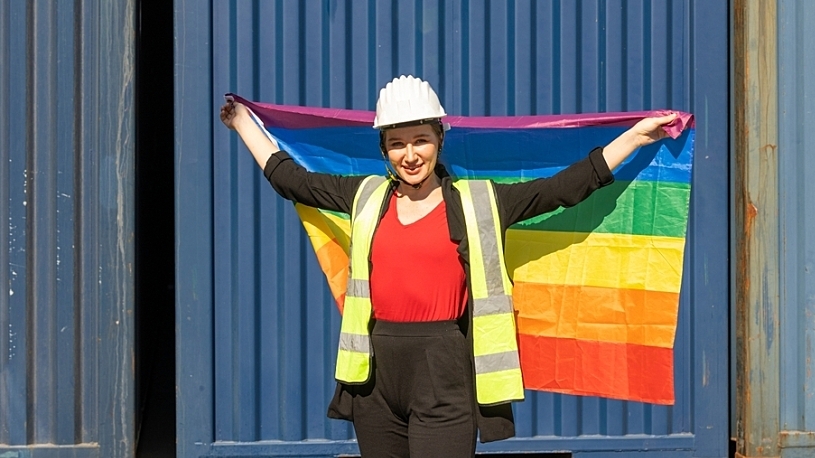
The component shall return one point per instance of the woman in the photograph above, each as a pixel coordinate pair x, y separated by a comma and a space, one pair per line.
427, 353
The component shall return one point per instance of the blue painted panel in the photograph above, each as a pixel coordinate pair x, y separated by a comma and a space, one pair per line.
13, 329
194, 223
796, 62
274, 326
708, 269
66, 238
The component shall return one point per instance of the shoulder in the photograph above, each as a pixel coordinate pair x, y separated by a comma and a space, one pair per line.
474, 185
481, 191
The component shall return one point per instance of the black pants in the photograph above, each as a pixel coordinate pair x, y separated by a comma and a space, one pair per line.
419, 401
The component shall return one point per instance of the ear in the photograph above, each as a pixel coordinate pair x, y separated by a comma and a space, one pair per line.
382, 144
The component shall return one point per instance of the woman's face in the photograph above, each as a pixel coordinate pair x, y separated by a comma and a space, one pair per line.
412, 151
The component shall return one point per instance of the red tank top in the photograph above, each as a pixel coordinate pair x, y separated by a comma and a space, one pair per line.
417, 274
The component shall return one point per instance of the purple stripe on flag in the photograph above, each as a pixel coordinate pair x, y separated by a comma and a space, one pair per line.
296, 117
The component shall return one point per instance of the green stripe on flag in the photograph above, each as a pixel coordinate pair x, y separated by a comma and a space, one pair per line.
624, 207
639, 208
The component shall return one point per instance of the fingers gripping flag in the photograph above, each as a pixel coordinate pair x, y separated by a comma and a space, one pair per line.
596, 286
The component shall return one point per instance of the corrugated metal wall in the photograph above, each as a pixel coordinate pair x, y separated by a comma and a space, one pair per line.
757, 256
66, 296
775, 412
775, 214
796, 115
257, 328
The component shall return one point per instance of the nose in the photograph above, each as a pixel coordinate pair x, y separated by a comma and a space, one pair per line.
410, 156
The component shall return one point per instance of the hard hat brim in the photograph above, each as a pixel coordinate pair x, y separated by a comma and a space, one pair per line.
417, 122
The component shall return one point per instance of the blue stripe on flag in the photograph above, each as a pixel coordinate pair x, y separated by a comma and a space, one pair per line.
490, 153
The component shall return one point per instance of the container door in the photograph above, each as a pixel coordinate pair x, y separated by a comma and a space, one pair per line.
66, 238
257, 325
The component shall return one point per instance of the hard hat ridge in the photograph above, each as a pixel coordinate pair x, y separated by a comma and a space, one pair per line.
406, 99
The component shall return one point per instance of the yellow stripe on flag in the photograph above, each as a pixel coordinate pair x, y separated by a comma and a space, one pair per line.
340, 228
591, 259
316, 226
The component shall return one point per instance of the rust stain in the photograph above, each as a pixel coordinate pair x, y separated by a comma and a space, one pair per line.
750, 213
753, 77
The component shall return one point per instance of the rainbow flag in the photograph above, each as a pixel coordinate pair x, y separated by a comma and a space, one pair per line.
596, 286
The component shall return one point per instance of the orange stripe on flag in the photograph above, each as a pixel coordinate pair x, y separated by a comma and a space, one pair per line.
334, 264
329, 237
620, 371
617, 315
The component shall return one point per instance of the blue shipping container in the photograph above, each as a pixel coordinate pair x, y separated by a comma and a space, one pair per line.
256, 325
775, 412
796, 64
66, 238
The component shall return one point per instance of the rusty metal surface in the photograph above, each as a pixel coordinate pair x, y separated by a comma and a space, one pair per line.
757, 229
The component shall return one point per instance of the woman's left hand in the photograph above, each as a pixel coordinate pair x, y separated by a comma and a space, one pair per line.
643, 133
651, 130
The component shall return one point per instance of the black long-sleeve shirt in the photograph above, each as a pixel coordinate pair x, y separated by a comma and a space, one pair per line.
516, 202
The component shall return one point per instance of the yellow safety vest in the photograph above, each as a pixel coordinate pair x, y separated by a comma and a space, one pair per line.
495, 349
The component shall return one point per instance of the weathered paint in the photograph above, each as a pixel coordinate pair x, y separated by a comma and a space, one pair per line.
796, 242
757, 229
193, 194
66, 300
256, 327
775, 307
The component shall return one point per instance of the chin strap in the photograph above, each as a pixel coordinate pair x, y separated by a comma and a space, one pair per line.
395, 177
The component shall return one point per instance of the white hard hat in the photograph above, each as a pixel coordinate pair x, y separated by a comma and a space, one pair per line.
406, 99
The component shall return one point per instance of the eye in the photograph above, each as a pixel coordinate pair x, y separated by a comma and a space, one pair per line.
420, 141
396, 145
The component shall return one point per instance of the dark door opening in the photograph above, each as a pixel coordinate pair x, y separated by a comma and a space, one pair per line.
155, 232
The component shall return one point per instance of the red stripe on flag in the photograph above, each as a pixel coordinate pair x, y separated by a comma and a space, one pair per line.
590, 368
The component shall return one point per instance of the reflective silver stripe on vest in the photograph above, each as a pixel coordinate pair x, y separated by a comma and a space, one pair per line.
497, 362
490, 249
492, 305
358, 288
367, 190
355, 342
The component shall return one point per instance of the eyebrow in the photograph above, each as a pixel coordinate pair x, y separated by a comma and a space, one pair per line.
402, 138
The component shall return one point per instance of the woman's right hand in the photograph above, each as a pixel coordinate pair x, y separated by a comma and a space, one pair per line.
232, 112
236, 116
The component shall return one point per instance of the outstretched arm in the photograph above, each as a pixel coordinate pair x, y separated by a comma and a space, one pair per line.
236, 117
643, 133
520, 201
289, 179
